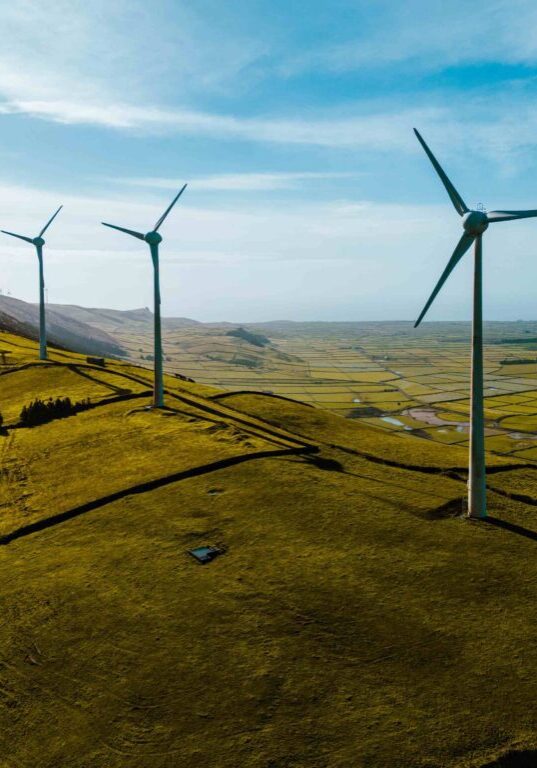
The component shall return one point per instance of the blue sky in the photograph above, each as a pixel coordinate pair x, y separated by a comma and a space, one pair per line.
308, 197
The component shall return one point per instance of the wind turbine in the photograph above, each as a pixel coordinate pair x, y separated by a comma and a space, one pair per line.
39, 243
474, 223
153, 239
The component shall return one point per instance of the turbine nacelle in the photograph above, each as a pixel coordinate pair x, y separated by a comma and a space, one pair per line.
38, 242
475, 222
153, 238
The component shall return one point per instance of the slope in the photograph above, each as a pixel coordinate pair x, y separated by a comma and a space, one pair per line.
62, 330
113, 320
354, 619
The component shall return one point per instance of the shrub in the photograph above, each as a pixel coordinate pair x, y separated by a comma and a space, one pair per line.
246, 361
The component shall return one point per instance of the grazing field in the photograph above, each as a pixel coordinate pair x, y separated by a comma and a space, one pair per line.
354, 619
389, 375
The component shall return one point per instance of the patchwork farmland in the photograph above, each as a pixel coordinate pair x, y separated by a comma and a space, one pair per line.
388, 375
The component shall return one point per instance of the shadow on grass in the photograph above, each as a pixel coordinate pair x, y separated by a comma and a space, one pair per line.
452, 508
526, 758
106, 384
522, 497
224, 395
527, 534
328, 465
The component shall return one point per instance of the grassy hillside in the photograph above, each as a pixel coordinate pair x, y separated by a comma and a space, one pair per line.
355, 619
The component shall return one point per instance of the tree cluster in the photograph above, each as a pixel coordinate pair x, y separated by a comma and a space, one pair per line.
518, 361
257, 339
40, 411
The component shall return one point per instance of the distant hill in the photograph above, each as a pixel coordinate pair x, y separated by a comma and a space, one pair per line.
63, 329
97, 316
114, 320
14, 325
173, 323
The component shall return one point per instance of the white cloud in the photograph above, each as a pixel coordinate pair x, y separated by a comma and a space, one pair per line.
499, 130
95, 74
130, 43
383, 131
72, 61
238, 182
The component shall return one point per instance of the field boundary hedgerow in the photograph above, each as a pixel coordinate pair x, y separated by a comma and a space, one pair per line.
148, 485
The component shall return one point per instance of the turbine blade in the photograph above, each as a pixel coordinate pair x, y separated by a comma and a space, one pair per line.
168, 209
458, 203
49, 222
127, 231
462, 246
21, 237
509, 215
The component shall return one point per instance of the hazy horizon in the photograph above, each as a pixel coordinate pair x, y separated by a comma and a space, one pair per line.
249, 321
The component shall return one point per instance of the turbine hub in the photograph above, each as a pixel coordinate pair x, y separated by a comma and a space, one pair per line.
475, 222
38, 241
153, 238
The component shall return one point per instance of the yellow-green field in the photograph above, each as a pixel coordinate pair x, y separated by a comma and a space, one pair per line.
355, 620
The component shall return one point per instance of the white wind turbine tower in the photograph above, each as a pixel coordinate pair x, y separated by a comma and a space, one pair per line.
39, 242
153, 239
